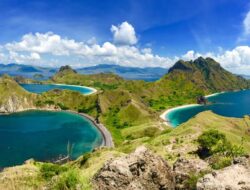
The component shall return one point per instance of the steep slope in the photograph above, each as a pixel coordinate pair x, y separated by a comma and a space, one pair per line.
13, 97
207, 74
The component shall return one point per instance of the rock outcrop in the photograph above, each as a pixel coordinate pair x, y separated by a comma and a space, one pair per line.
15, 104
234, 177
139, 170
13, 97
185, 169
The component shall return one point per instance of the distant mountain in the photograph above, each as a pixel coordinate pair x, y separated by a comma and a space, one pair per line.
27, 71
246, 76
207, 74
134, 73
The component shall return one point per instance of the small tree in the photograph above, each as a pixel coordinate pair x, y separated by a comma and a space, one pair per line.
211, 142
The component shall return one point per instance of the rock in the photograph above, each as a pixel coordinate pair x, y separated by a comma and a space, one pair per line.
139, 170
184, 169
66, 68
234, 177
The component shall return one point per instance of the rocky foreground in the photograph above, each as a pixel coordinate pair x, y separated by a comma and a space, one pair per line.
144, 170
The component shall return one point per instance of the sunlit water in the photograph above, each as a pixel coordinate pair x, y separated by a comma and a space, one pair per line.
230, 104
40, 88
44, 135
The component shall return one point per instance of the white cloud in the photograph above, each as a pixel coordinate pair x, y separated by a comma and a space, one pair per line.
236, 60
124, 34
23, 58
31, 46
52, 49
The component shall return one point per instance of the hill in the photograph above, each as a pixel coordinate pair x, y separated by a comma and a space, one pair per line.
13, 97
132, 73
208, 75
43, 73
130, 110
27, 71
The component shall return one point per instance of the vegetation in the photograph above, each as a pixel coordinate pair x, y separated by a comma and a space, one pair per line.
130, 110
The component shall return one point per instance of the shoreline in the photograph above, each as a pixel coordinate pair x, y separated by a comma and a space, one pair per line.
166, 112
107, 137
93, 90
87, 87
107, 140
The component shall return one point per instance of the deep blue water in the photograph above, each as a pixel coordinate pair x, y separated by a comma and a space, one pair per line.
40, 88
44, 135
230, 104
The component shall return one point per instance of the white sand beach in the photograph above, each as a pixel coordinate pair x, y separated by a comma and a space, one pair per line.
93, 90
165, 113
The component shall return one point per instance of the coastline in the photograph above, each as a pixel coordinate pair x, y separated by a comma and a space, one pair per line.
166, 112
93, 90
107, 137
90, 88
107, 140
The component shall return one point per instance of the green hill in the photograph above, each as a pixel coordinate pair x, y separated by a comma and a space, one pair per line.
130, 110
208, 75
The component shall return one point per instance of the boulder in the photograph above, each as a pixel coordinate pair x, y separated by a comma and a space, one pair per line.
234, 177
185, 169
139, 170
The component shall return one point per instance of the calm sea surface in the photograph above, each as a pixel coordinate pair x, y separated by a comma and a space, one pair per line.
40, 88
44, 135
230, 104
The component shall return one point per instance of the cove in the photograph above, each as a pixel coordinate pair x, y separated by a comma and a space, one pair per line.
40, 88
229, 104
44, 135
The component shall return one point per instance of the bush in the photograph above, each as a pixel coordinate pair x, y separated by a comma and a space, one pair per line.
220, 151
68, 181
221, 162
211, 142
62, 106
85, 158
48, 170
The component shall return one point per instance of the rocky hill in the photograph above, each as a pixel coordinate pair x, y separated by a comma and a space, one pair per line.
207, 74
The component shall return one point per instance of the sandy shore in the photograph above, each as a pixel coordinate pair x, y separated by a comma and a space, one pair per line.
165, 113
107, 137
90, 88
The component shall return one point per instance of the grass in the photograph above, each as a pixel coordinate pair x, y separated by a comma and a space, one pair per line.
130, 110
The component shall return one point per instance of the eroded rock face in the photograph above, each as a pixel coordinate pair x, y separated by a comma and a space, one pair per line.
139, 170
234, 177
184, 169
14, 104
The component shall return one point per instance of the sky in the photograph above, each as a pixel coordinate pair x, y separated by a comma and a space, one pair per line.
136, 33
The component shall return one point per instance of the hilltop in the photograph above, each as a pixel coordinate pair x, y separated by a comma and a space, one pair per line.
207, 74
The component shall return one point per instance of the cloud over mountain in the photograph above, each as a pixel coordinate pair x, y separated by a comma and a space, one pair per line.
52, 49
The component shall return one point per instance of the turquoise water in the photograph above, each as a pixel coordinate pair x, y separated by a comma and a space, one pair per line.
40, 88
230, 104
44, 135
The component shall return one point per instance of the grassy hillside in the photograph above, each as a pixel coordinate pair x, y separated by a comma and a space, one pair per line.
14, 97
171, 143
130, 110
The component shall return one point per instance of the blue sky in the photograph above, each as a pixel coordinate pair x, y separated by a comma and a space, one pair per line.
161, 31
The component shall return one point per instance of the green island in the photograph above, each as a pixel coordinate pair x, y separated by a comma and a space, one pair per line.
144, 146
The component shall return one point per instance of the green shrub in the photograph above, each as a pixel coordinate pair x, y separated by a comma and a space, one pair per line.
85, 158
211, 142
62, 106
221, 162
68, 181
48, 170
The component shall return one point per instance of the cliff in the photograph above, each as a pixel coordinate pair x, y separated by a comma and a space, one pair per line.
13, 97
